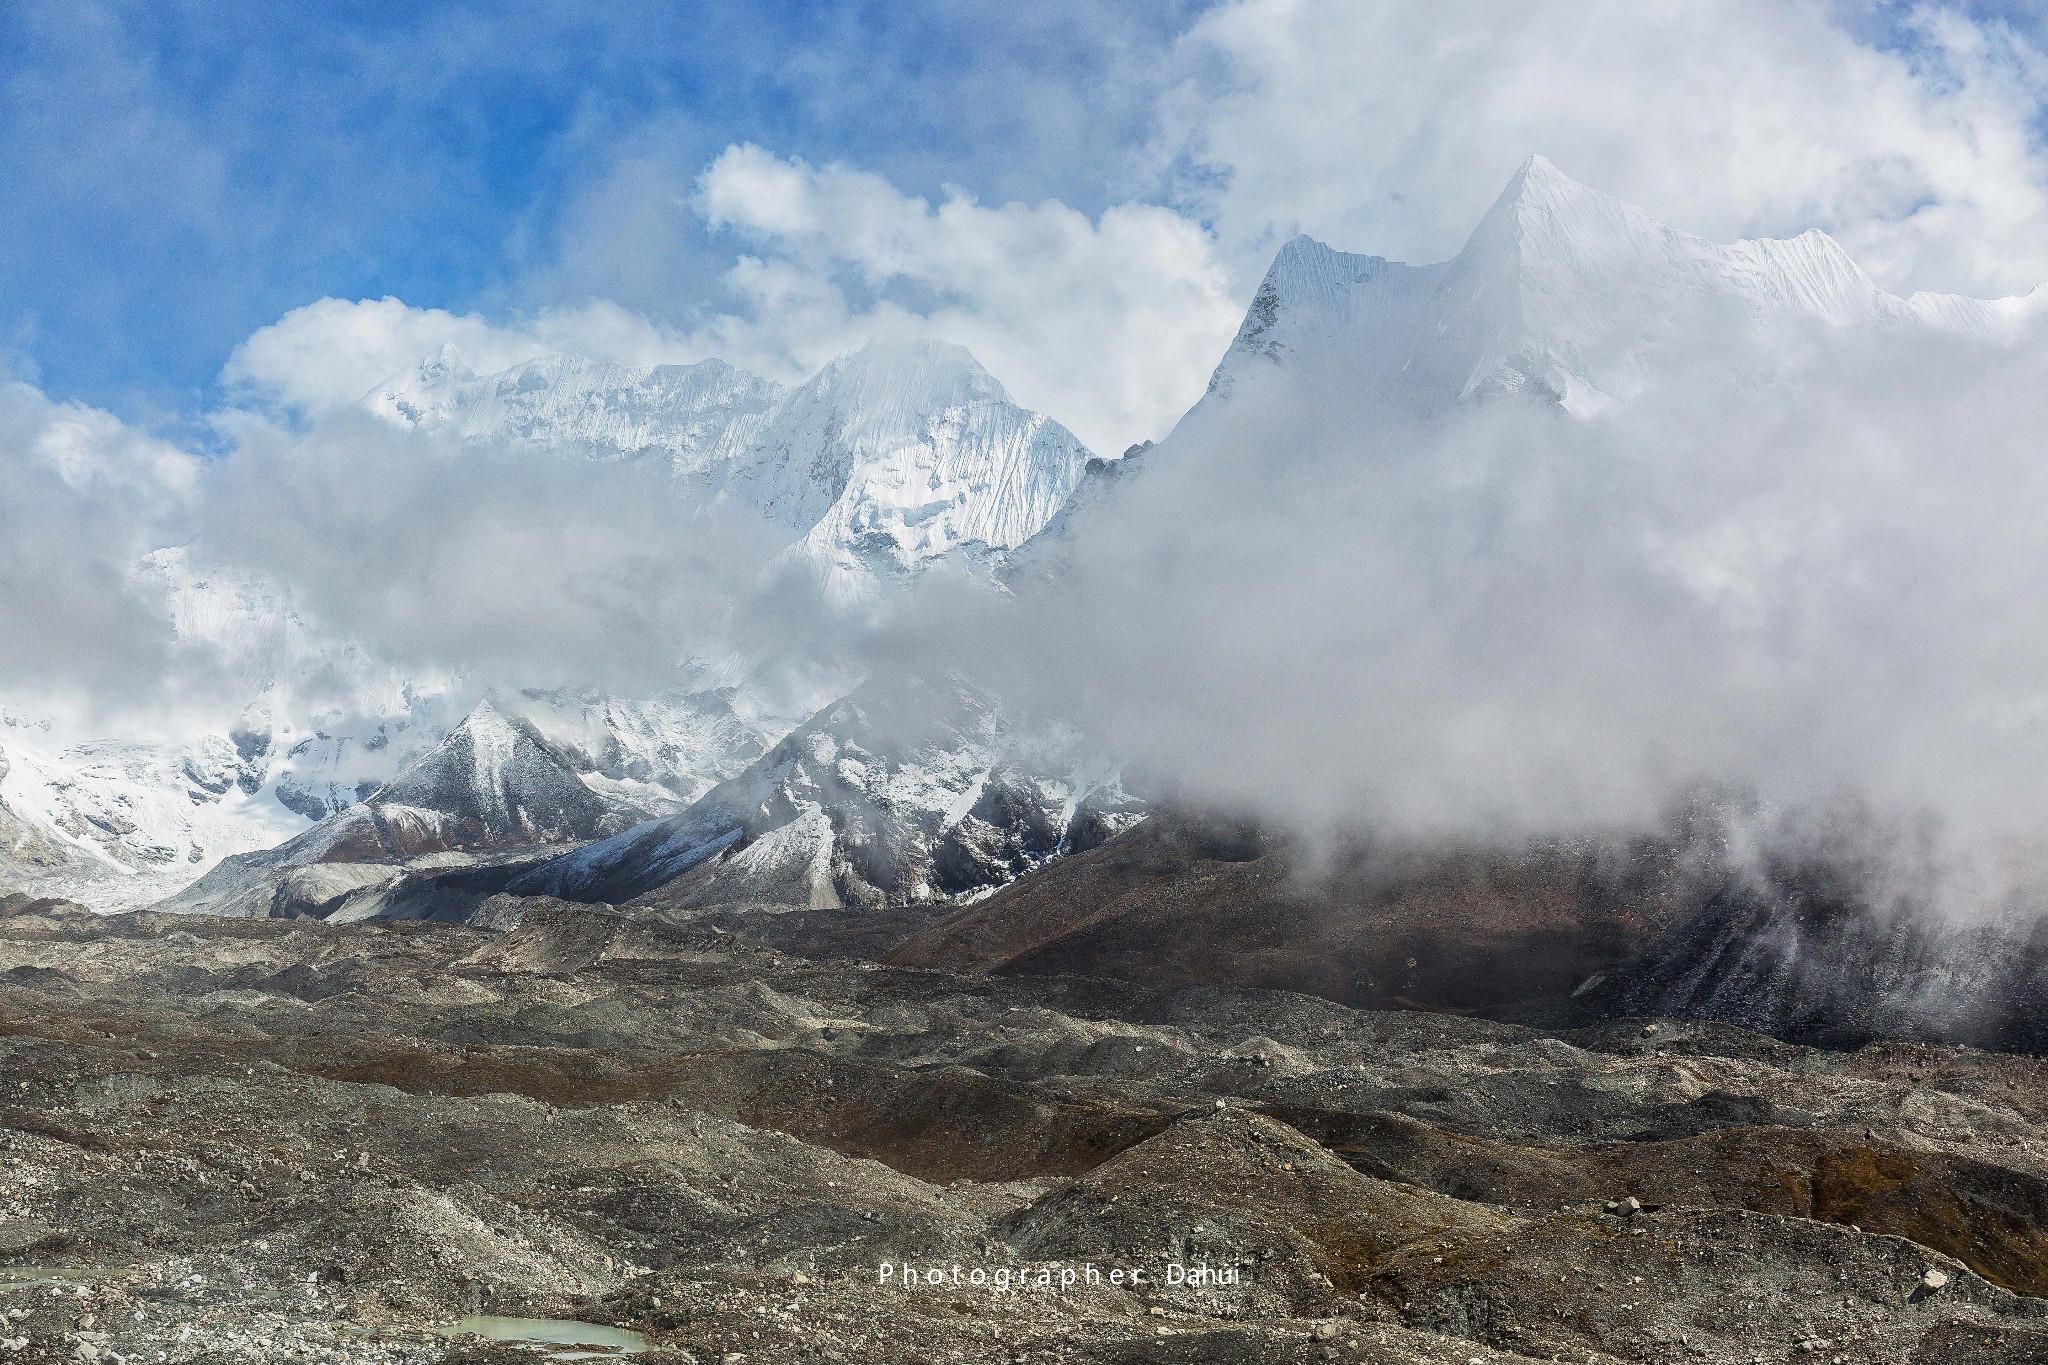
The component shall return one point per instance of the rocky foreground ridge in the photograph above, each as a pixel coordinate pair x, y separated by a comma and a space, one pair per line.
270, 1139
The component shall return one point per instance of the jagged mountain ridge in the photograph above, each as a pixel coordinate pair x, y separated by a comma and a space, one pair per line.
911, 790
905, 793
495, 782
889, 457
905, 452
1561, 292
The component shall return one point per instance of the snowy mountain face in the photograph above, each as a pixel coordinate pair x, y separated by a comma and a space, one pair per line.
658, 754
930, 456
537, 768
908, 791
888, 458
121, 822
1563, 294
494, 780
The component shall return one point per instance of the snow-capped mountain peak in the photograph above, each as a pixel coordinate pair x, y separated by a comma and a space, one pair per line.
1564, 294
1575, 254
423, 395
496, 777
930, 455
889, 389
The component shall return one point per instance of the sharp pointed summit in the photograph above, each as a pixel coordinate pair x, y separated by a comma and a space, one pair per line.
1538, 185
448, 360
917, 451
1563, 294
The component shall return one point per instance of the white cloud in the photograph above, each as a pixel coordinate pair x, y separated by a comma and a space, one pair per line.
1109, 325
508, 562
96, 454
1386, 126
1507, 624
81, 495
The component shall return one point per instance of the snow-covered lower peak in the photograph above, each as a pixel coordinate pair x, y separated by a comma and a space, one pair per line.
910, 790
495, 780
931, 457
521, 770
1562, 293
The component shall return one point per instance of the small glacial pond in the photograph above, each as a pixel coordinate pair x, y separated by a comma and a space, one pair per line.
27, 1276
598, 1342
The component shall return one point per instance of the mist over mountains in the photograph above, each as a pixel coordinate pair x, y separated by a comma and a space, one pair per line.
1539, 542
1093, 682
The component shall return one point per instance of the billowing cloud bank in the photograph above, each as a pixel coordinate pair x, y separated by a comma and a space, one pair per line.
1813, 576
1387, 125
81, 497
525, 565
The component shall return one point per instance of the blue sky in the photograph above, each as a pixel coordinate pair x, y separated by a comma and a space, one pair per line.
181, 174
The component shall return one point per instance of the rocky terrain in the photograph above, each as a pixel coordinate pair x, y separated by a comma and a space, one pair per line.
287, 1139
